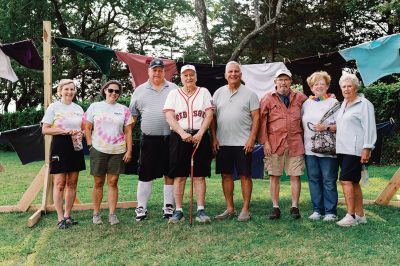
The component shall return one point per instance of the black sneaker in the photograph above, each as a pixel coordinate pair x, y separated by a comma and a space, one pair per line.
176, 217
62, 224
70, 221
141, 213
275, 214
168, 210
295, 213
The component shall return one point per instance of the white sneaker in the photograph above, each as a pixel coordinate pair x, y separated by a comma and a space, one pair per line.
361, 219
168, 211
330, 217
141, 213
348, 220
315, 216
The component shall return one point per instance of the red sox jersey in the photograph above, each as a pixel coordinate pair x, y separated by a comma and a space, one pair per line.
190, 111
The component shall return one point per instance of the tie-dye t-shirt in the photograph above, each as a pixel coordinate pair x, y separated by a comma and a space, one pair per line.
108, 122
64, 116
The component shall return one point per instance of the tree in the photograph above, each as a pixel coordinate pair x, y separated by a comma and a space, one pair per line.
244, 41
22, 20
114, 23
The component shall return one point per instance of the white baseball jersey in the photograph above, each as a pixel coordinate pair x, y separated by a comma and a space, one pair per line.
190, 111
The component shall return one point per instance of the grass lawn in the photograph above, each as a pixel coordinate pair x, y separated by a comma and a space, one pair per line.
260, 241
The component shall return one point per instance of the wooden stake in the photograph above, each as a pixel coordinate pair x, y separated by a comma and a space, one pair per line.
34, 218
390, 190
31, 193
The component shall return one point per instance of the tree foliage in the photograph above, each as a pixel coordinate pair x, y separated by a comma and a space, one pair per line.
297, 29
305, 28
135, 26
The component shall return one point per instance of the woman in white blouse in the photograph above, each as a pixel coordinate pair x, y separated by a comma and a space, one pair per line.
355, 138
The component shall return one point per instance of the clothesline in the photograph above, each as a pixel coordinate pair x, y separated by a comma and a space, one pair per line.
368, 57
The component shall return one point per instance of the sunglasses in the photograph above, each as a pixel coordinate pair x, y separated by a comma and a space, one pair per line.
112, 90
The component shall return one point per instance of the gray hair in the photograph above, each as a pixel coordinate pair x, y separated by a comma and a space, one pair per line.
232, 63
349, 77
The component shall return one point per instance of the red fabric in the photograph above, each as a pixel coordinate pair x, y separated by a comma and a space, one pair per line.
138, 65
279, 124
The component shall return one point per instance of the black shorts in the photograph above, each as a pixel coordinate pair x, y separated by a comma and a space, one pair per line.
230, 157
63, 157
180, 154
350, 168
153, 158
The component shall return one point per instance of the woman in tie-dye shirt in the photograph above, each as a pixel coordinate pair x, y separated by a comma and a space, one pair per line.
63, 120
109, 137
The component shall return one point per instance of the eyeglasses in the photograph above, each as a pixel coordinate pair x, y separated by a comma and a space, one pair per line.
112, 90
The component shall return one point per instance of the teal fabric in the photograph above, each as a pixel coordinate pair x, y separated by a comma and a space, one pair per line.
100, 55
375, 59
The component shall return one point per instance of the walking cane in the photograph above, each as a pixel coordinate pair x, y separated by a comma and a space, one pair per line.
191, 185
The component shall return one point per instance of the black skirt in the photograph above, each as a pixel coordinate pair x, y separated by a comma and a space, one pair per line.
63, 157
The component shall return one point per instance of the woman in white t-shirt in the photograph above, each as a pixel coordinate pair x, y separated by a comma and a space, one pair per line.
322, 169
109, 137
63, 120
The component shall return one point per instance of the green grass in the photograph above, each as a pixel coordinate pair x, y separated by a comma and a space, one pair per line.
153, 242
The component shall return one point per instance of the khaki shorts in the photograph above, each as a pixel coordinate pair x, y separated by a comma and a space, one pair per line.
275, 164
104, 163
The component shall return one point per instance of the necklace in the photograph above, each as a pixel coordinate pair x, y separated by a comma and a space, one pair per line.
318, 98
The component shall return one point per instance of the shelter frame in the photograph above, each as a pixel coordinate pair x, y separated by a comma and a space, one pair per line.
44, 179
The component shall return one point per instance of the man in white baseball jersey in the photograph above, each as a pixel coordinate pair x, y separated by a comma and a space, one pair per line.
189, 112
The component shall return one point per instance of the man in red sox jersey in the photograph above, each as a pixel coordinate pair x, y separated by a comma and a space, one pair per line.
189, 111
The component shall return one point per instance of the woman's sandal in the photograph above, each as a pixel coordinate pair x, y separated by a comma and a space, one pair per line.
62, 224
70, 221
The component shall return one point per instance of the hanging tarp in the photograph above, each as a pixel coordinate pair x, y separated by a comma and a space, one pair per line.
332, 63
25, 53
375, 59
100, 55
139, 64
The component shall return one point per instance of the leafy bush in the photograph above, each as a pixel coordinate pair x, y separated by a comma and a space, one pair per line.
384, 97
31, 116
386, 100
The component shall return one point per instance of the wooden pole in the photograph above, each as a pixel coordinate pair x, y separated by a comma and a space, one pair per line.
47, 83
47, 198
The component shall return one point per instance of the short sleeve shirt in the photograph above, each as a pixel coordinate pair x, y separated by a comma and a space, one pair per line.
108, 122
148, 103
64, 116
233, 112
190, 111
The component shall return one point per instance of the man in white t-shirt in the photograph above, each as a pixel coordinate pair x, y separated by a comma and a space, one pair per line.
234, 131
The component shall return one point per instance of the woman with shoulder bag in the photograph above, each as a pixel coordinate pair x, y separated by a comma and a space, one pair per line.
321, 163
